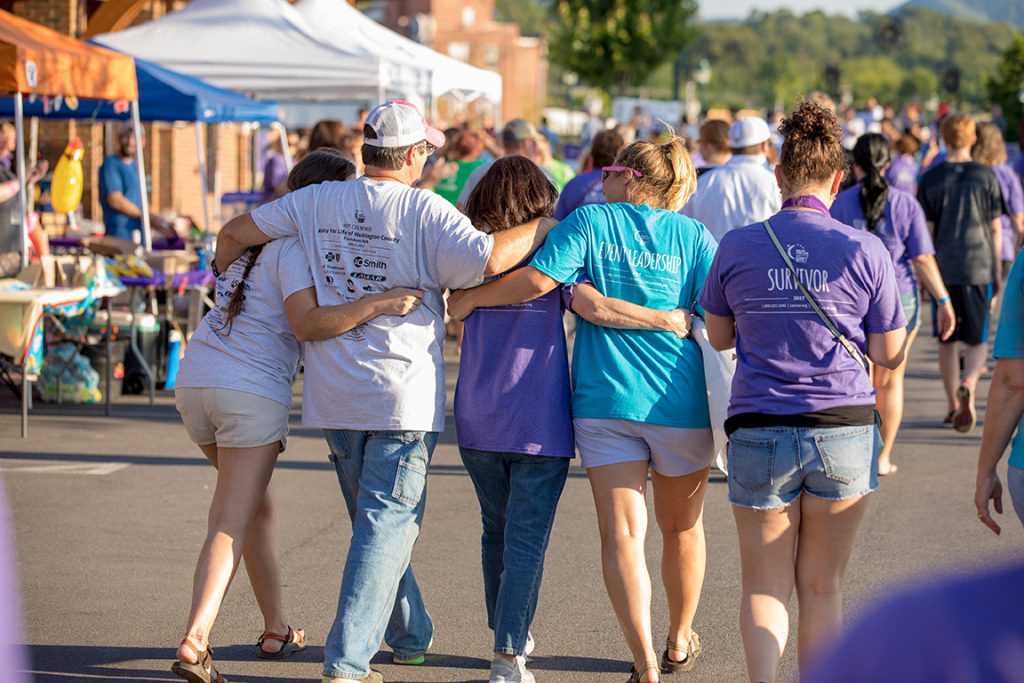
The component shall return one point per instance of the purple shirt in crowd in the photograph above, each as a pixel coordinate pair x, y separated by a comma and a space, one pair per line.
902, 173
1013, 194
788, 363
513, 393
586, 188
903, 230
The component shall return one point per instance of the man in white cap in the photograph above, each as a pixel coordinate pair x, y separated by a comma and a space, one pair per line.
742, 190
378, 390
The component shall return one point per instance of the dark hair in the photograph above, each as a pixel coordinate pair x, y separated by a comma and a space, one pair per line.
871, 154
605, 147
318, 166
715, 134
907, 144
512, 192
812, 146
387, 158
327, 133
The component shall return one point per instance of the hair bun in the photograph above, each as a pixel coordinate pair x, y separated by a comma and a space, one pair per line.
812, 121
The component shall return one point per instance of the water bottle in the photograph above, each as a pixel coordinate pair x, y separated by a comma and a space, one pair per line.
173, 358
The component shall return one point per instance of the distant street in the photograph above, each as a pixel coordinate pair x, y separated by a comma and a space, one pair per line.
110, 514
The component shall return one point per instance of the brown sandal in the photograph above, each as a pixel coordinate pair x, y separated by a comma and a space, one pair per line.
203, 670
294, 641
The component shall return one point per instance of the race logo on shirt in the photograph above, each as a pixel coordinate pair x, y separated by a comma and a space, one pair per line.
781, 279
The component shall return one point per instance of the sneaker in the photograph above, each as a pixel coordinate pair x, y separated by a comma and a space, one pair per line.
411, 661
372, 677
948, 422
531, 644
965, 418
503, 672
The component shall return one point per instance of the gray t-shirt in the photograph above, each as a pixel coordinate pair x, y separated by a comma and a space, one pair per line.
962, 200
258, 354
364, 236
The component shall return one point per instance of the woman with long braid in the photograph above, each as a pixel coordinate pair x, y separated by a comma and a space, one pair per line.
898, 220
234, 393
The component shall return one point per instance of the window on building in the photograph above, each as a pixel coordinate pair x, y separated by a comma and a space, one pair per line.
468, 16
459, 51
491, 56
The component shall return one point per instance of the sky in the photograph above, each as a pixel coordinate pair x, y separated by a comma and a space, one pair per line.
738, 9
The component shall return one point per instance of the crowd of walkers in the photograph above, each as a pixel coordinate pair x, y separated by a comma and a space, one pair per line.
812, 278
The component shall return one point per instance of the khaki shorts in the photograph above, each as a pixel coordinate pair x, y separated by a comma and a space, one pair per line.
671, 451
231, 419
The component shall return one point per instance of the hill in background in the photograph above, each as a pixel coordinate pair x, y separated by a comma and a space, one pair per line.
1010, 11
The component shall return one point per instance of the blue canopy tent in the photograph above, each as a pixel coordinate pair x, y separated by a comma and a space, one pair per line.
164, 95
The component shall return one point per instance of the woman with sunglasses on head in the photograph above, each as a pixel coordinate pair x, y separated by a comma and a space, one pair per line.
898, 220
234, 392
639, 403
801, 418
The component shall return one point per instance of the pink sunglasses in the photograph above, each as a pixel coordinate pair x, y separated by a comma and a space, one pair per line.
615, 169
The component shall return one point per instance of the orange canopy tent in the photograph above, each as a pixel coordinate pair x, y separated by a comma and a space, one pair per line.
36, 60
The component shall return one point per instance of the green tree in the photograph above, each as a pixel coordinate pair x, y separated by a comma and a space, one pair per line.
1005, 84
529, 15
616, 44
873, 77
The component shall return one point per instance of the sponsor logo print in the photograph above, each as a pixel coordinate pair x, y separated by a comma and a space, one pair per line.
361, 262
372, 277
360, 216
798, 253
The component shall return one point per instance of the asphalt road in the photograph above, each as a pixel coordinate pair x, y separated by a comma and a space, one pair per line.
109, 515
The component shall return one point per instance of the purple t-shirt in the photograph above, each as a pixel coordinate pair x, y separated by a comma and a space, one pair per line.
586, 188
513, 393
1013, 194
788, 363
902, 173
903, 230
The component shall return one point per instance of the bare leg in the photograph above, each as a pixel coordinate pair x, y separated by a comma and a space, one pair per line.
263, 568
679, 507
620, 497
949, 367
827, 532
767, 551
889, 401
242, 478
974, 366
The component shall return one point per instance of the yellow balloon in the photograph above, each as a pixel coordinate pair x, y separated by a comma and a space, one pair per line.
68, 178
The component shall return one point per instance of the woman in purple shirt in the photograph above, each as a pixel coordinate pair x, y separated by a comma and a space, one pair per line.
801, 418
990, 149
902, 172
898, 220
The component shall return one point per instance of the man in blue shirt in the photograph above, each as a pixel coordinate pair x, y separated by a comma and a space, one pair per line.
121, 194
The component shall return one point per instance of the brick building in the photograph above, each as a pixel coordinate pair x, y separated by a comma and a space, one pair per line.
467, 30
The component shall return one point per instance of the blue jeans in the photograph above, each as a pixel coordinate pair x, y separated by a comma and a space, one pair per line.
383, 476
518, 495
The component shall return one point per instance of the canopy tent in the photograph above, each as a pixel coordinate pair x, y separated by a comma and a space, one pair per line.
349, 29
166, 95
260, 47
35, 60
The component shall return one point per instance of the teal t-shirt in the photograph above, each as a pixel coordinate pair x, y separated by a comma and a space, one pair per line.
651, 257
1010, 339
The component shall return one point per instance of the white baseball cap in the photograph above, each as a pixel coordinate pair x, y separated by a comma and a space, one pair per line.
747, 131
400, 124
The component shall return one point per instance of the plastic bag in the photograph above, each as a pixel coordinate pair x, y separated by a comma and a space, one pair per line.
719, 368
64, 365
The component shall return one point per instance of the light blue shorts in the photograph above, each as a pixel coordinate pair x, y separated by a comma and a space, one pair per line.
770, 467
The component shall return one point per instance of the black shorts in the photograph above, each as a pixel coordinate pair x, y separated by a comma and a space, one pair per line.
972, 305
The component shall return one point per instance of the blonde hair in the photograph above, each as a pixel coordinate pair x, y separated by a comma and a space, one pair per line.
959, 131
669, 179
990, 149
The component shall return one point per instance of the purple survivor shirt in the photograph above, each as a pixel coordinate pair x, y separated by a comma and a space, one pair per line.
902, 173
1013, 194
788, 363
903, 230
513, 393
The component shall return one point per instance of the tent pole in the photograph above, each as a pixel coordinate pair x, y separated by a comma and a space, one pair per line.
19, 125
33, 154
147, 237
203, 179
286, 150
254, 155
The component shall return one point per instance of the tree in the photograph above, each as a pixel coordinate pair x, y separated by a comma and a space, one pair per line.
1004, 86
615, 44
529, 15
873, 77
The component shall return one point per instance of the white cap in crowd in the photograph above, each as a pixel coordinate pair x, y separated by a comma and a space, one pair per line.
748, 131
400, 124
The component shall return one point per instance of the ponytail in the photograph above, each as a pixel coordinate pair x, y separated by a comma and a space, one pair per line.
871, 154
669, 178
234, 306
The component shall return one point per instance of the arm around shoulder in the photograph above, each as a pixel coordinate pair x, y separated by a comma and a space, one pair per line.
237, 235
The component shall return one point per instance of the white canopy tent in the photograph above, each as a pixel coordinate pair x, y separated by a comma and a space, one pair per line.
347, 28
261, 47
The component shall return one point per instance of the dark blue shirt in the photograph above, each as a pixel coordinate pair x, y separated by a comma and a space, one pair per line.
116, 175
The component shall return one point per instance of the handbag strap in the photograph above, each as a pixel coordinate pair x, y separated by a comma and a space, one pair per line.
840, 337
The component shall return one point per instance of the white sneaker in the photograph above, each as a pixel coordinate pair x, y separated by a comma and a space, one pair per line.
503, 672
530, 645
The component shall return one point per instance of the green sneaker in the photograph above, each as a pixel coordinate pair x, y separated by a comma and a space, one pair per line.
411, 661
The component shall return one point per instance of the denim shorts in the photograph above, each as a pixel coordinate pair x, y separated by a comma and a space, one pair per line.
770, 467
911, 302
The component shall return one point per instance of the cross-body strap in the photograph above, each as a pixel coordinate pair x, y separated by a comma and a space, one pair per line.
840, 337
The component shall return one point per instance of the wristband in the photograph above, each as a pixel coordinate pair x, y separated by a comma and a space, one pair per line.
943, 300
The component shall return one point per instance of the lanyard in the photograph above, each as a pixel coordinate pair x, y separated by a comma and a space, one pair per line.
806, 201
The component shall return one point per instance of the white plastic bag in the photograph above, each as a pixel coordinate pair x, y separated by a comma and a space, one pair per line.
719, 368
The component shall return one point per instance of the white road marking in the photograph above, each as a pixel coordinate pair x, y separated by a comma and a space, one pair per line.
94, 469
